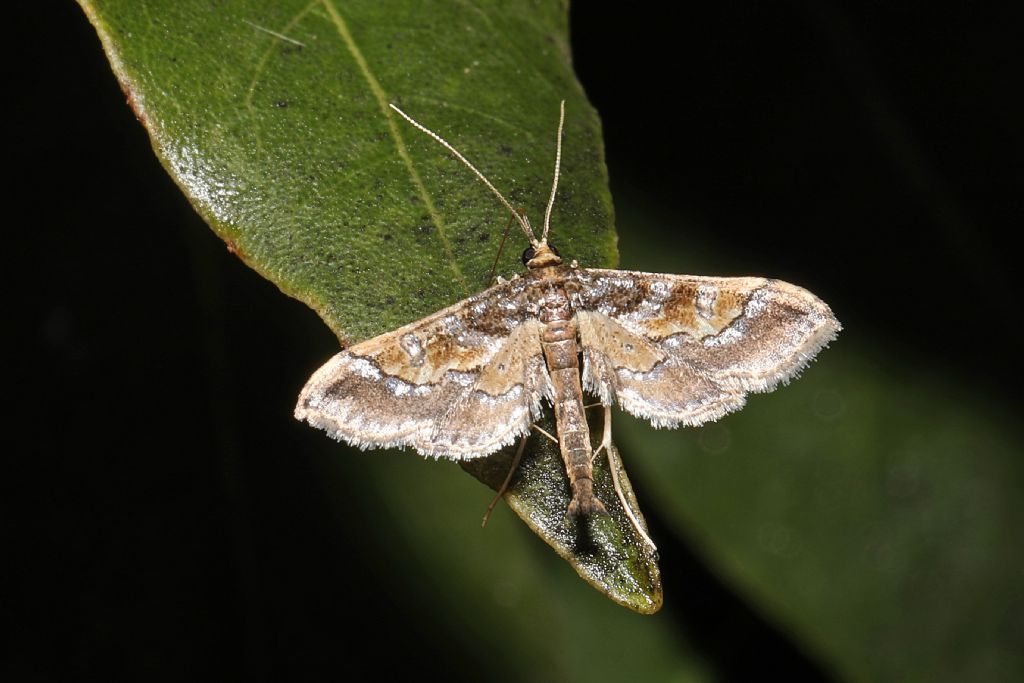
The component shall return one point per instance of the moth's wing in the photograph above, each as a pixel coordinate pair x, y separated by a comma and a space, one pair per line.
681, 349
624, 367
476, 368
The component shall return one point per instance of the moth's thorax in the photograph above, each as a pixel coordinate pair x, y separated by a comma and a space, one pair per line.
554, 304
556, 315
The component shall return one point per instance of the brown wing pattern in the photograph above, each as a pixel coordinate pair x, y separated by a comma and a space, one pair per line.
461, 383
681, 349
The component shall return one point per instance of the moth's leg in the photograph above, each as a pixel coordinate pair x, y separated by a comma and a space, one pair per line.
508, 479
593, 456
501, 245
606, 439
545, 433
614, 465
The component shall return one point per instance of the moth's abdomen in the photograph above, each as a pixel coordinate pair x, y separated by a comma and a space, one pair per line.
561, 353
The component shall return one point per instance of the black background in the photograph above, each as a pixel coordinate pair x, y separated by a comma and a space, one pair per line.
872, 148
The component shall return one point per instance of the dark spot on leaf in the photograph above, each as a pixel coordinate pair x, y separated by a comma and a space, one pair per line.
281, 104
426, 229
414, 199
386, 237
504, 150
483, 237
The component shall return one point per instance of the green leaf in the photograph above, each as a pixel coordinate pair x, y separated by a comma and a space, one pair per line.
273, 118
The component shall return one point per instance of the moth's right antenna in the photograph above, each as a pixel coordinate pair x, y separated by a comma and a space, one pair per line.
524, 223
554, 185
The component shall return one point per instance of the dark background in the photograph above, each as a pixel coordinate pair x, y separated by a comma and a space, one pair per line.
875, 149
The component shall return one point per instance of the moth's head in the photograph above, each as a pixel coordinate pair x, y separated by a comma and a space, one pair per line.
541, 255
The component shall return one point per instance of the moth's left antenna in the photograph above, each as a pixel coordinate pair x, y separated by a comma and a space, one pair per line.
524, 223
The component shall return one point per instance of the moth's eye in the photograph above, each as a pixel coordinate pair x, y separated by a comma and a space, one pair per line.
528, 255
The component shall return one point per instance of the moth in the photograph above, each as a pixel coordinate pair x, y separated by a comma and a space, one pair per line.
475, 377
